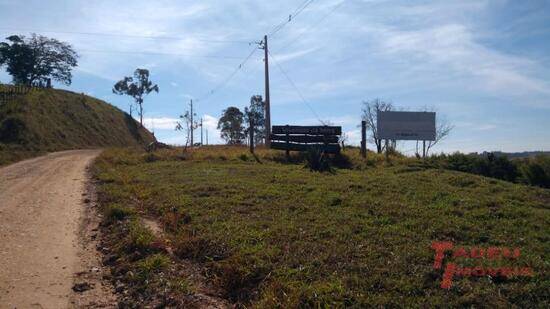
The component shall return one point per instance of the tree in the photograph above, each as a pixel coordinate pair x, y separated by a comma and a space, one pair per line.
185, 124
137, 87
442, 130
231, 126
37, 60
256, 113
370, 112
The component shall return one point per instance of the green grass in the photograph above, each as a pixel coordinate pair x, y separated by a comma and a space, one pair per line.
52, 120
271, 234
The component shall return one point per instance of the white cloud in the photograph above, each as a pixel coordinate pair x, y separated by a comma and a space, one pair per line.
293, 55
453, 46
160, 123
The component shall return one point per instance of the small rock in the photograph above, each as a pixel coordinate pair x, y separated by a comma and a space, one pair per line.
95, 269
82, 287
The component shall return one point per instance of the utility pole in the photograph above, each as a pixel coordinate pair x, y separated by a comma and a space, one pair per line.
267, 102
364, 139
192, 124
201, 131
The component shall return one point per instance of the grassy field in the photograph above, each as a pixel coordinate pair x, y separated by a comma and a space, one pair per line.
274, 234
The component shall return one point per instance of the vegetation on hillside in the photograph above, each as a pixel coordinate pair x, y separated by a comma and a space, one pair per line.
275, 234
47, 120
534, 171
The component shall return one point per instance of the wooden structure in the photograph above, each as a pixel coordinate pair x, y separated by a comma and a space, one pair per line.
303, 138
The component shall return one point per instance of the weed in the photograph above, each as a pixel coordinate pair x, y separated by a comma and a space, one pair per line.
116, 212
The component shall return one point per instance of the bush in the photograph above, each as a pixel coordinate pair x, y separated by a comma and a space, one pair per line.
317, 160
536, 172
489, 165
11, 130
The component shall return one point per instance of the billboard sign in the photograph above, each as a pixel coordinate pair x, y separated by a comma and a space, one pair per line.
416, 126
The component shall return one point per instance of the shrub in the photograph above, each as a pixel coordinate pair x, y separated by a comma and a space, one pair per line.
536, 172
490, 165
11, 130
116, 212
317, 160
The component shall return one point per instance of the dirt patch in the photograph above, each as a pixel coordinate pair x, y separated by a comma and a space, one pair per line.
92, 287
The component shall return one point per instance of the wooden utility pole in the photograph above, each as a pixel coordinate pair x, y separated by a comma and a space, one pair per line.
364, 139
251, 131
267, 101
201, 131
192, 144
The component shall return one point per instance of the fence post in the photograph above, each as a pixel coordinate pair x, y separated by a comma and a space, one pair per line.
387, 151
251, 131
287, 143
364, 139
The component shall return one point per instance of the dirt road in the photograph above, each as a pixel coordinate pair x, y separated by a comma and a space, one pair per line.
41, 209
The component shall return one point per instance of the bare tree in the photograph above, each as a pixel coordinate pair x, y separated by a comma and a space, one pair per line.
370, 112
343, 139
185, 124
442, 130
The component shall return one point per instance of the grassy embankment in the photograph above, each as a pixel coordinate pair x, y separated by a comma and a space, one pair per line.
46, 120
277, 235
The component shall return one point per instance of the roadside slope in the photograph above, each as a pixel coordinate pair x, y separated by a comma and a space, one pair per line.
47, 120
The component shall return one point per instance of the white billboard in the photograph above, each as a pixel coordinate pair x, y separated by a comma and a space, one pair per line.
417, 126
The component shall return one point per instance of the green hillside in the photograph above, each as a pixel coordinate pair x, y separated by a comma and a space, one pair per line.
52, 120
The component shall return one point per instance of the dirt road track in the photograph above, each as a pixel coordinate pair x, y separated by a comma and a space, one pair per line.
41, 207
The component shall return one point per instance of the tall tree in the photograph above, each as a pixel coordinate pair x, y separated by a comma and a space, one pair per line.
38, 59
370, 112
137, 87
256, 113
231, 126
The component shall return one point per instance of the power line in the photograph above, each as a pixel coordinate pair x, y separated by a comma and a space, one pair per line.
173, 38
229, 77
334, 8
291, 17
295, 88
157, 53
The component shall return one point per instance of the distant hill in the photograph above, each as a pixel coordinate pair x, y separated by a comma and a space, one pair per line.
47, 120
519, 155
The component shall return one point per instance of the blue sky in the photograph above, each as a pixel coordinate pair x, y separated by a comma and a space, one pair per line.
483, 65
